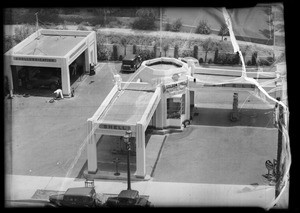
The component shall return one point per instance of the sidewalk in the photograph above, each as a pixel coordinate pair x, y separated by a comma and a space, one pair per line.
161, 194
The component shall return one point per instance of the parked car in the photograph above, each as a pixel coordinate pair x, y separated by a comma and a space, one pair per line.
191, 59
128, 198
131, 63
44, 78
76, 197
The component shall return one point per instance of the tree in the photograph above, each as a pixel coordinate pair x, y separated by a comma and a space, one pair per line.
154, 50
195, 53
145, 20
124, 44
134, 49
208, 45
176, 25
216, 56
176, 51
203, 28
114, 56
166, 48
254, 58
223, 31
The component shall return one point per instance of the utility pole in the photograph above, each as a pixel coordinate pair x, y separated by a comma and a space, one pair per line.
37, 20
160, 31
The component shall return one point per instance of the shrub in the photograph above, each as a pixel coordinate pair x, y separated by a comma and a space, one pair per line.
143, 24
145, 54
203, 28
22, 32
9, 42
237, 58
187, 53
166, 48
120, 57
168, 26
195, 53
249, 63
266, 62
200, 60
103, 52
114, 56
82, 27
176, 51
210, 61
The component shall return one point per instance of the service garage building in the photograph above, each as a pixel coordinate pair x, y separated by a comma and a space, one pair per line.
54, 50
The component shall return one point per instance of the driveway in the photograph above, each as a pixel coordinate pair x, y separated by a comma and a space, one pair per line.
217, 155
46, 137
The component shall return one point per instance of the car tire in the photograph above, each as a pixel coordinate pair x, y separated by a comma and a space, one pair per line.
53, 86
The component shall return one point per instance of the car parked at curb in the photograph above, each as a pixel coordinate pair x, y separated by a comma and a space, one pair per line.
128, 198
131, 63
76, 197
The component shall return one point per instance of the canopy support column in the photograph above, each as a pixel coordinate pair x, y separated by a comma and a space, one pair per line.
91, 148
65, 78
140, 151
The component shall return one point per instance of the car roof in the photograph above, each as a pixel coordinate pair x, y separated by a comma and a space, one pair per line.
82, 191
129, 57
128, 194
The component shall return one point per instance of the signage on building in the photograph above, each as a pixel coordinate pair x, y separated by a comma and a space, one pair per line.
116, 127
175, 88
35, 59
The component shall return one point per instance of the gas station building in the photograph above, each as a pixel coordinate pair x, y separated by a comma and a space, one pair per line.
159, 98
54, 49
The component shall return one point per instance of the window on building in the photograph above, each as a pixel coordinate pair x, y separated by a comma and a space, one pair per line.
173, 108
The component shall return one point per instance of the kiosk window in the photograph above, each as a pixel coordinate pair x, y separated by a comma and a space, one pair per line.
183, 104
173, 109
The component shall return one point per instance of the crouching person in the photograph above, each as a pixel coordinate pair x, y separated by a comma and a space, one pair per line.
58, 94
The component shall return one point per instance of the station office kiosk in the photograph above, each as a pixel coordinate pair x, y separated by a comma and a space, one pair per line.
160, 98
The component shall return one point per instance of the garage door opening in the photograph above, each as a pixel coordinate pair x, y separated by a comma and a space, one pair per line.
37, 81
77, 69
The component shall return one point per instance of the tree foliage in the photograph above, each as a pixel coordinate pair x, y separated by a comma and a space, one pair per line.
203, 28
223, 31
208, 45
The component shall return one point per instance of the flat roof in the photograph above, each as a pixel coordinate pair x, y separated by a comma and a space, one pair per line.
128, 108
51, 45
79, 191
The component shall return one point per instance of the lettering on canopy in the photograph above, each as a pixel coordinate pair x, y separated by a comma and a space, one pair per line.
175, 88
116, 127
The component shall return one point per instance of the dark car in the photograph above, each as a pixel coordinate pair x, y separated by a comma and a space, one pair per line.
128, 198
44, 78
131, 63
76, 197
